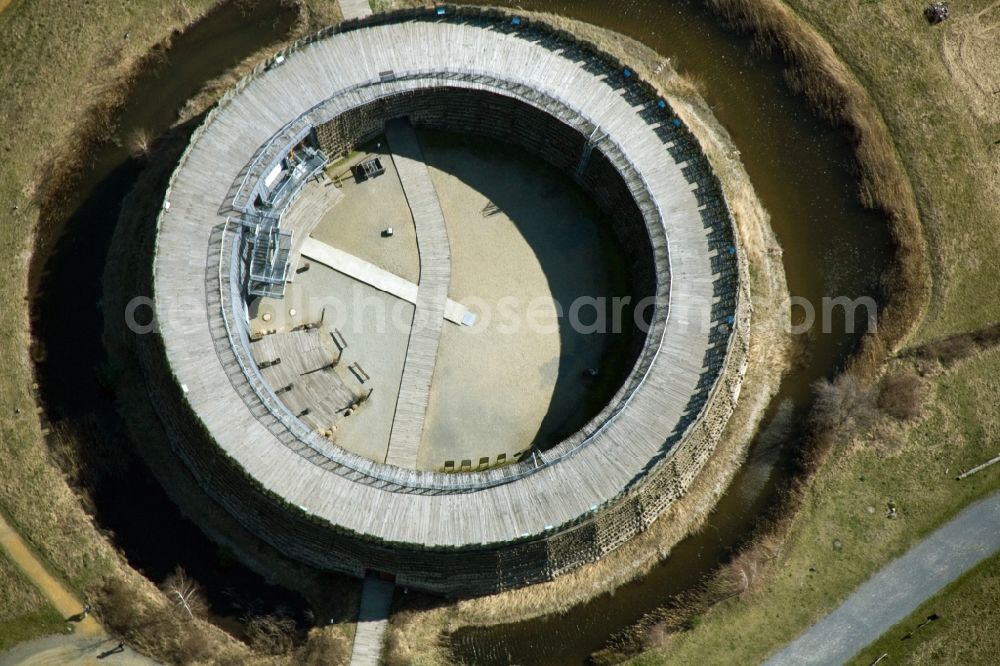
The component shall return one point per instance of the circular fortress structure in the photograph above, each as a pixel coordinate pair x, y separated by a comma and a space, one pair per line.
325, 455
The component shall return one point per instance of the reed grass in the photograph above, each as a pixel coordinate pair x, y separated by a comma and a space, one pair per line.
815, 70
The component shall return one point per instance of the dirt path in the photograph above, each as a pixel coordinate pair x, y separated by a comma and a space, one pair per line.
4, 4
899, 588
61, 598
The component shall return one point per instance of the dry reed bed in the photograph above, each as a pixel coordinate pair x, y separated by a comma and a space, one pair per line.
816, 70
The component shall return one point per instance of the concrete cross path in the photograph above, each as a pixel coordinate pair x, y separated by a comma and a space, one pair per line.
899, 588
376, 599
370, 274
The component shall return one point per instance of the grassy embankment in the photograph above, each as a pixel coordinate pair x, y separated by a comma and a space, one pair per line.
67, 73
62, 63
931, 87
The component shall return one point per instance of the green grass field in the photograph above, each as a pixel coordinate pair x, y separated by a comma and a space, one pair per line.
935, 90
913, 467
936, 87
62, 58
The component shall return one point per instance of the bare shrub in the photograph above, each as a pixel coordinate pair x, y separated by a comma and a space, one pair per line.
902, 396
117, 603
742, 574
845, 401
185, 594
656, 636
952, 350
141, 144
148, 623
193, 647
271, 634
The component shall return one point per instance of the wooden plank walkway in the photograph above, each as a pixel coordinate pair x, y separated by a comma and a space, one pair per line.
325, 79
319, 393
383, 280
315, 201
355, 9
376, 599
432, 294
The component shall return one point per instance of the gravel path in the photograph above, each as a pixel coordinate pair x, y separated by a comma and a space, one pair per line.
72, 651
899, 587
87, 642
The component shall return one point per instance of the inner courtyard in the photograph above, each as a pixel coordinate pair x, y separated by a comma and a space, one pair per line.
540, 322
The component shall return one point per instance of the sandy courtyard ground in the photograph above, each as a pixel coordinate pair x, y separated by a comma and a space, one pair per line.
526, 245
376, 327
523, 238
355, 225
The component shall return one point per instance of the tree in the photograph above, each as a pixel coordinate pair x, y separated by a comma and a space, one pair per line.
185, 594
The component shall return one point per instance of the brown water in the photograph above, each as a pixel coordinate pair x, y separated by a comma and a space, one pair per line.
803, 172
